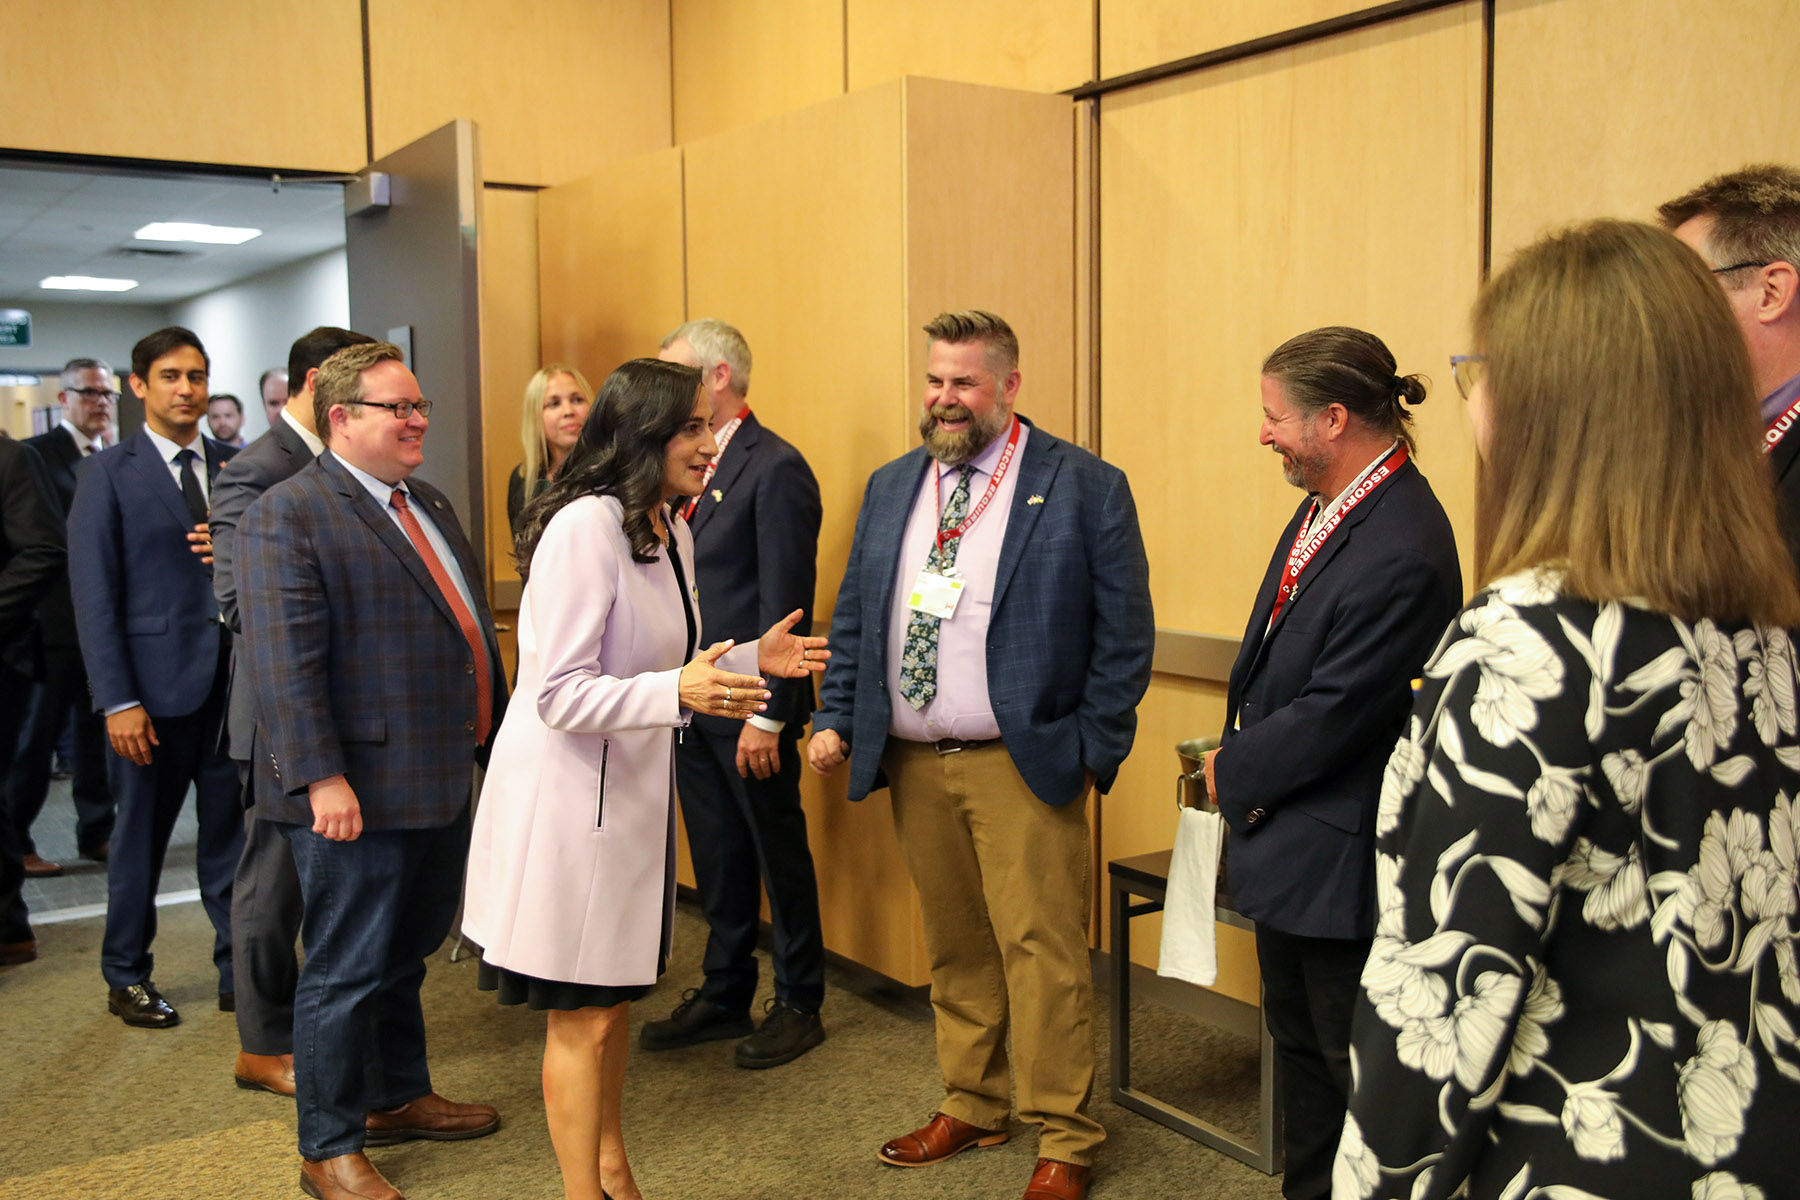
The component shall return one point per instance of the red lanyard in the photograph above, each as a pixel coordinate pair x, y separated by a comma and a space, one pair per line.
724, 440
1778, 428
1311, 538
937, 479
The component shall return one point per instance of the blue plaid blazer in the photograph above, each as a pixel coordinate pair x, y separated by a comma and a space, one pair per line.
357, 665
1070, 637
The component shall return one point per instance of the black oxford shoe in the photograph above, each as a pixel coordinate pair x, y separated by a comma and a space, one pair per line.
696, 1019
142, 1005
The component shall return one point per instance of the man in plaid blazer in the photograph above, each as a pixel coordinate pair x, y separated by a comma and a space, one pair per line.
991, 716
377, 684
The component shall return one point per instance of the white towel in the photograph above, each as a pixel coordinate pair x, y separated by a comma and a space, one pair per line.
1188, 949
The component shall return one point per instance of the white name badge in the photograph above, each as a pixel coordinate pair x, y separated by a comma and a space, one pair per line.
935, 595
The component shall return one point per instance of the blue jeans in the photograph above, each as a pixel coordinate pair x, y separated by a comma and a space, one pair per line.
375, 908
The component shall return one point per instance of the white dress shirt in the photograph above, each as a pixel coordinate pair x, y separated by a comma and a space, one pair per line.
384, 496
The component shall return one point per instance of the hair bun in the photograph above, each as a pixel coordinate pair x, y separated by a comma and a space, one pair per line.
1409, 389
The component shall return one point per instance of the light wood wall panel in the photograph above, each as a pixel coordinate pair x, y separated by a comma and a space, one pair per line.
507, 241
210, 81
1035, 45
558, 87
814, 277
1135, 34
1610, 107
971, 226
1336, 183
736, 63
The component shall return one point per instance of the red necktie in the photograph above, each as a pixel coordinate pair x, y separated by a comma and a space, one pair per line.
484, 700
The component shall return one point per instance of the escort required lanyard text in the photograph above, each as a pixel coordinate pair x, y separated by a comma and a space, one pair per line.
1779, 427
1312, 538
962, 527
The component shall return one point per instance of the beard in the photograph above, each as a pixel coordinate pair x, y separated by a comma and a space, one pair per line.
955, 449
1306, 465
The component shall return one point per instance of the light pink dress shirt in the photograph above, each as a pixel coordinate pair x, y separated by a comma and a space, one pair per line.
961, 708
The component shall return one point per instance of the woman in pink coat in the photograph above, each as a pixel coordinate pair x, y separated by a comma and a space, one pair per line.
571, 881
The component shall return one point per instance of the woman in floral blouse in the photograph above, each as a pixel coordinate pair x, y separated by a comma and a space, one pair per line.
1583, 981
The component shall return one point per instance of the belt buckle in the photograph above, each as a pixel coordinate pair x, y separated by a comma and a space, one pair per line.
945, 746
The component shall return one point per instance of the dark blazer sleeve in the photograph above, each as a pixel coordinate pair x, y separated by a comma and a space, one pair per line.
1124, 637
515, 499
33, 530
837, 687
788, 513
236, 488
1383, 627
96, 582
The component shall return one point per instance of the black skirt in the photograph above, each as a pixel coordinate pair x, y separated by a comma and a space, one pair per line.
514, 988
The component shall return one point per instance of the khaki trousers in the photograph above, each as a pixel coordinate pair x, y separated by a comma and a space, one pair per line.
1004, 883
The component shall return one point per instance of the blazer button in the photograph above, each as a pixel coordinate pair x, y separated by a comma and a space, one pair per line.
468, 668
468, 727
1255, 815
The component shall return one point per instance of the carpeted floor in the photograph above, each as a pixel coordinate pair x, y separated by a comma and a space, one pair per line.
94, 1109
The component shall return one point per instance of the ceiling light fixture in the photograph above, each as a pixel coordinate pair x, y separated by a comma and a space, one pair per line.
194, 231
85, 283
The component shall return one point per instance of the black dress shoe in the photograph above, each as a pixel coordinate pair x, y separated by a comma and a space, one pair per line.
696, 1019
142, 1005
228, 1002
786, 1034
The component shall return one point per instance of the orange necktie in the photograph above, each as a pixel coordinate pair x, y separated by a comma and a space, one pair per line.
484, 700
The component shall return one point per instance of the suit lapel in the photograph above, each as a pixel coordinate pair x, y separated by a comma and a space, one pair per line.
1785, 455
731, 466
376, 518
1037, 469
153, 472
214, 459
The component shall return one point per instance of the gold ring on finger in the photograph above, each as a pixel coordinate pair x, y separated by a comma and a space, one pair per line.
728, 695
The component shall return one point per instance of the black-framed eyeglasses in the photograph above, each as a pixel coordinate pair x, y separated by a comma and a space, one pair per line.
96, 394
1762, 262
403, 409
1467, 370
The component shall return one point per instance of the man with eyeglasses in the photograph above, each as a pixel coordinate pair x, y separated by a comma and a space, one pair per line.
89, 403
1746, 226
379, 683
140, 573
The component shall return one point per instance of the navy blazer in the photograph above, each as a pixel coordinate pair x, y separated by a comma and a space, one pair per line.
276, 455
31, 554
61, 458
144, 607
756, 545
1784, 461
358, 665
1314, 708
1070, 637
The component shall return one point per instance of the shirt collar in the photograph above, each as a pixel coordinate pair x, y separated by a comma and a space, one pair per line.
82, 440
1362, 475
168, 449
312, 440
1780, 400
984, 463
383, 492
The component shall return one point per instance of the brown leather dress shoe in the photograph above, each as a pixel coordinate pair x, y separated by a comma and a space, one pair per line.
40, 868
1055, 1180
265, 1072
430, 1118
940, 1138
346, 1177
14, 953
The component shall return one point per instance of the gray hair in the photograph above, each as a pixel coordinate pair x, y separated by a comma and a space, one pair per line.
715, 342
1755, 212
76, 365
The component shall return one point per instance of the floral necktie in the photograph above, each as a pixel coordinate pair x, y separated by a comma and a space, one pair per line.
918, 661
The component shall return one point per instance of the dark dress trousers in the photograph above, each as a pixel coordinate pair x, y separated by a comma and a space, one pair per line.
265, 894
756, 539
150, 633
1312, 713
31, 561
64, 690
359, 668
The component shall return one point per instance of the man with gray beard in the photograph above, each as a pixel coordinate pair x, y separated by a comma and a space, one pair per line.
991, 640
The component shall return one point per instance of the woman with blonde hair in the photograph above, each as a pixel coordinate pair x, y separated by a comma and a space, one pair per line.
1583, 982
556, 404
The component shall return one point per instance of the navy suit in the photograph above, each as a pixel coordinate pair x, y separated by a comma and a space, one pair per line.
1312, 713
360, 669
265, 894
151, 634
63, 691
756, 540
1785, 462
1070, 638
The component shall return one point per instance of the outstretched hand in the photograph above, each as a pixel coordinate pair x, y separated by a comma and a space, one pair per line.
782, 652
706, 689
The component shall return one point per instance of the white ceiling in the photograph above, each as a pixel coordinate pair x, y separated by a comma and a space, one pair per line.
60, 222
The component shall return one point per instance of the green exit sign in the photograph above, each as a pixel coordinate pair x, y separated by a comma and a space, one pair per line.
15, 327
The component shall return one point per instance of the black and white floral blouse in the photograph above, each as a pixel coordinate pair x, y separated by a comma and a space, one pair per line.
1583, 980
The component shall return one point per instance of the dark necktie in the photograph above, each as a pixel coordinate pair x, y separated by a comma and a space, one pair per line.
190, 487
484, 700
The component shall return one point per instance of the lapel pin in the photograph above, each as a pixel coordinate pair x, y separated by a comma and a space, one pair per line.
1034, 500
718, 496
